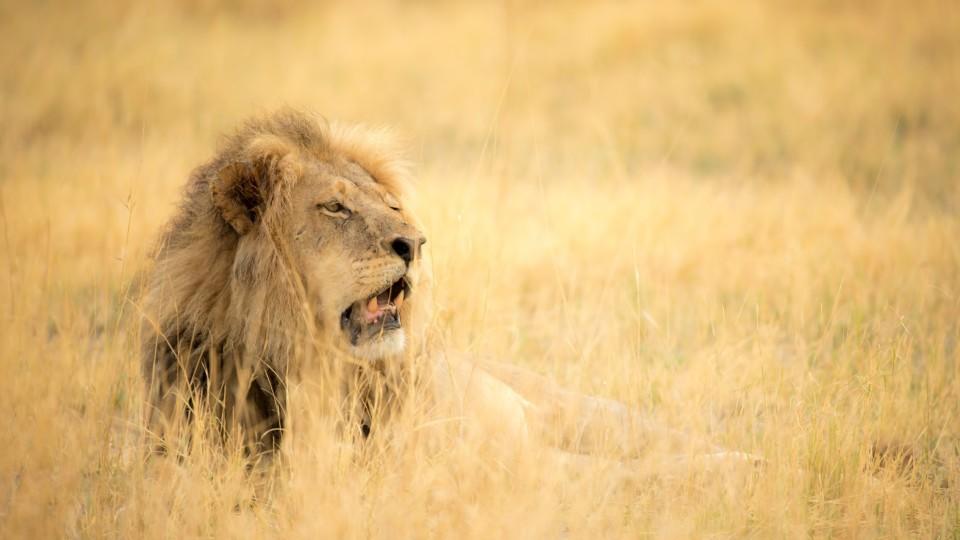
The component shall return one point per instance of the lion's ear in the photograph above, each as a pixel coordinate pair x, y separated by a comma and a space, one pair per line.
242, 188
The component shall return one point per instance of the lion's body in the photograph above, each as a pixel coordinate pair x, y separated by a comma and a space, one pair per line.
257, 277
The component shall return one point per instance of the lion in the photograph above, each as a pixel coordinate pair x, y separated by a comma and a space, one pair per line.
297, 245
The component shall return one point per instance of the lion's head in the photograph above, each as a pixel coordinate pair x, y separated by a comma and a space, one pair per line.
298, 230
346, 233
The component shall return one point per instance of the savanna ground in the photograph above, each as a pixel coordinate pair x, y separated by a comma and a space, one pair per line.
740, 217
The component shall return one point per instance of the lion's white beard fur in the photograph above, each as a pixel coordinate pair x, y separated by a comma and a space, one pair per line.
390, 344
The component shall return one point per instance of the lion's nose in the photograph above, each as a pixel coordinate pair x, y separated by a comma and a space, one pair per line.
406, 248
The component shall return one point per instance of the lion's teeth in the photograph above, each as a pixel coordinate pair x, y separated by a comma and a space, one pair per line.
399, 300
372, 305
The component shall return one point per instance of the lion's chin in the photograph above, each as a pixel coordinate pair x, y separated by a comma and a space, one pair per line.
389, 344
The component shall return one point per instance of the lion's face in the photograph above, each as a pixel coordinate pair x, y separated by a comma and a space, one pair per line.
358, 256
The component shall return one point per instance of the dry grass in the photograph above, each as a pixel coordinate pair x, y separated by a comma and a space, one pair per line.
741, 217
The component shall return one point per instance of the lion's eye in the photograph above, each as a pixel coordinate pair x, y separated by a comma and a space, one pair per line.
335, 208
391, 202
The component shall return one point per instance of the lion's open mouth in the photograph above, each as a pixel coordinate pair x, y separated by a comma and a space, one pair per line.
373, 316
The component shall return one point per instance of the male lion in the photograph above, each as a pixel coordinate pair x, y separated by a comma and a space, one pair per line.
296, 245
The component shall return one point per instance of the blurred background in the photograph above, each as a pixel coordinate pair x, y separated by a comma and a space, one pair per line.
852, 91
742, 216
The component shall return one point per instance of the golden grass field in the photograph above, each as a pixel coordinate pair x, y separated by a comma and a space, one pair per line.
742, 218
